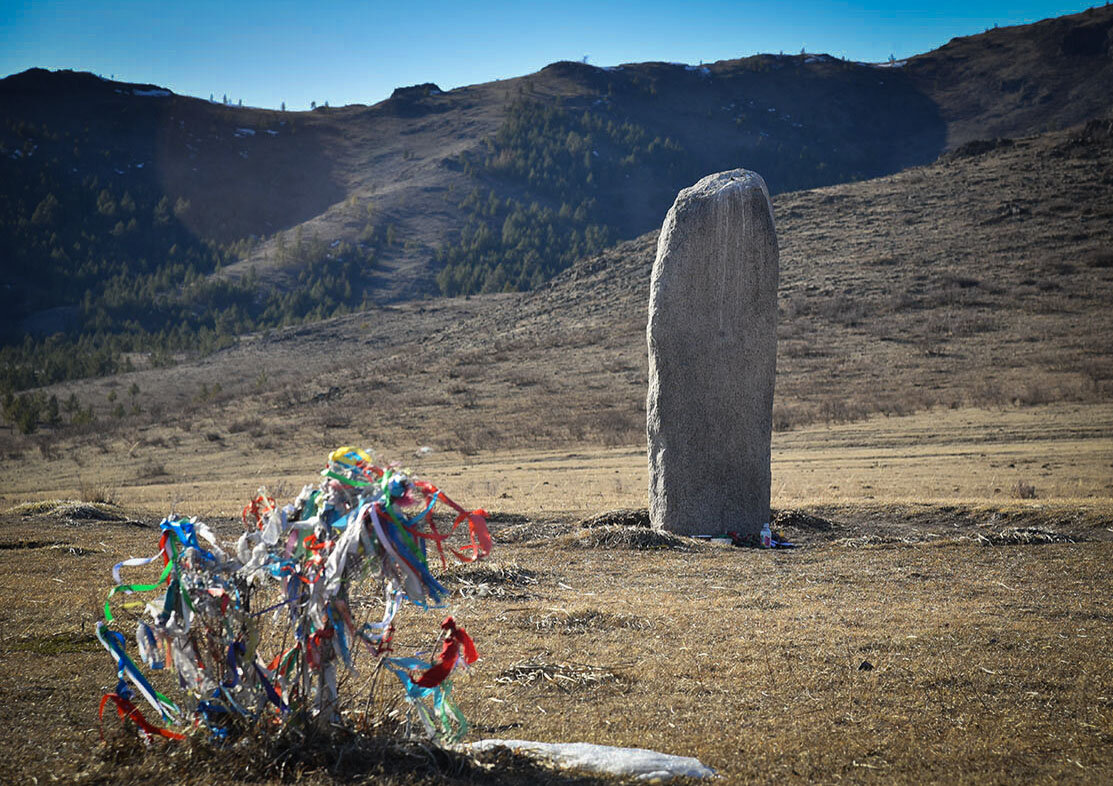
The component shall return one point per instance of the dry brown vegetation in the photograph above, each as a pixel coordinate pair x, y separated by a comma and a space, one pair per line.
895, 645
980, 281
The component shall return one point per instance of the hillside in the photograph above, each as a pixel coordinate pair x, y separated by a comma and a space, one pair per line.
980, 280
1014, 81
144, 222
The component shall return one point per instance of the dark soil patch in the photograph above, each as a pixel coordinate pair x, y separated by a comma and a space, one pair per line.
55, 644
29, 544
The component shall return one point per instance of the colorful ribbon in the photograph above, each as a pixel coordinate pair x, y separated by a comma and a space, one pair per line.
362, 522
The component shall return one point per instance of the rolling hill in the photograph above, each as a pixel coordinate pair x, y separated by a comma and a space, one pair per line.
139, 220
980, 280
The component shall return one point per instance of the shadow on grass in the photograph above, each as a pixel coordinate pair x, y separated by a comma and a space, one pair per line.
339, 755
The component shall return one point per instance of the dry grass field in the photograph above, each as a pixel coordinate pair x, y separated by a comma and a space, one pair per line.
940, 456
943, 456
931, 626
858, 659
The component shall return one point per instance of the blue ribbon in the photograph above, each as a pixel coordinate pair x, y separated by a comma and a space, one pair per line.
184, 531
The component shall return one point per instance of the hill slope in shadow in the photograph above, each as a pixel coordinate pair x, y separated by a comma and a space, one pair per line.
981, 279
395, 178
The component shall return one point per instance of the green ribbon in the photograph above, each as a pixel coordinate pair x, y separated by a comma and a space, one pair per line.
328, 473
134, 588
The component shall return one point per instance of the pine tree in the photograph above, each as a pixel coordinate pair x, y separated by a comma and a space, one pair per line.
53, 416
46, 211
106, 205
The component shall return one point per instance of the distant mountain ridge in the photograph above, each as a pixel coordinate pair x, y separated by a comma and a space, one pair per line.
486, 187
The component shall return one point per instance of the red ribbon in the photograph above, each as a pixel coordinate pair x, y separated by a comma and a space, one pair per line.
313, 647
258, 508
127, 711
479, 539
455, 640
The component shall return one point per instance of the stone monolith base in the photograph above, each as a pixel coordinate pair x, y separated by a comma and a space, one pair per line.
712, 358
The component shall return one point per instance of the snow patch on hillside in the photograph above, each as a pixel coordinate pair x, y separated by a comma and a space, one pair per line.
890, 64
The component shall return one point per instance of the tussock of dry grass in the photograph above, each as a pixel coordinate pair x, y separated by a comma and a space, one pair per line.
533, 531
584, 620
71, 509
561, 676
38, 508
621, 517
486, 579
97, 492
1024, 536
617, 536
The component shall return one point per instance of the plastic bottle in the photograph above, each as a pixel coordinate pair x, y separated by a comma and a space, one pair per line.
766, 536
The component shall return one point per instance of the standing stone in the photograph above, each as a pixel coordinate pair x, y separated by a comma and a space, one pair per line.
712, 358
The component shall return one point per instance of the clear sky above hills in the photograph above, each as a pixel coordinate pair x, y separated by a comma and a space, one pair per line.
266, 52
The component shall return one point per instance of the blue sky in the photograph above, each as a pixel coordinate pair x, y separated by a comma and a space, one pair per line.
357, 52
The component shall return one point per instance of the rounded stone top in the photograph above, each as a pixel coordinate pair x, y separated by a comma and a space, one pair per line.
722, 184
720, 188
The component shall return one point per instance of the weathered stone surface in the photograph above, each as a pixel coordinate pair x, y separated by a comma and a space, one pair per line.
712, 358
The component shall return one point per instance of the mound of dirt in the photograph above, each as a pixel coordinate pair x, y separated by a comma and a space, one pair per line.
340, 754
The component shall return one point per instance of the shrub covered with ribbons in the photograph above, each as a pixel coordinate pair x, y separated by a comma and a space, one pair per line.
261, 635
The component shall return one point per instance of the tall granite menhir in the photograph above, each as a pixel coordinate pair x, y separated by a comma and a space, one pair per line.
712, 358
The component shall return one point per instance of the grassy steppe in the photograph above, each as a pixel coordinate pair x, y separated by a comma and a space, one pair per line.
895, 645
